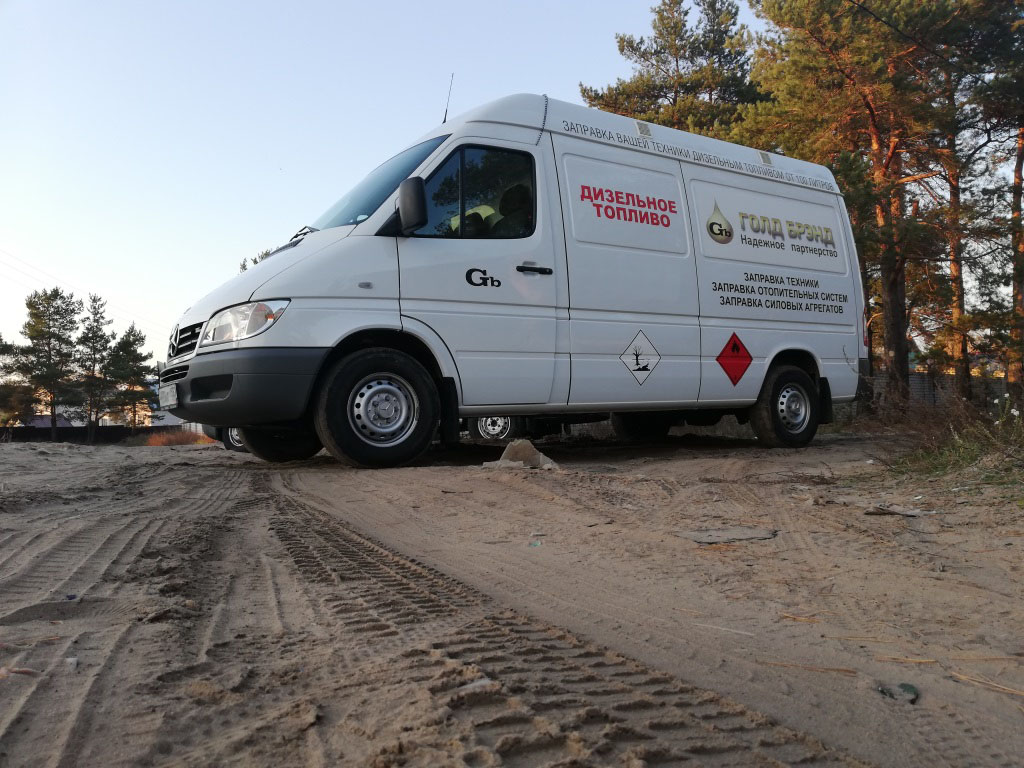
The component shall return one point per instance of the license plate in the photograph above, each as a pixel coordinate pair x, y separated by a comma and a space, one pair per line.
168, 396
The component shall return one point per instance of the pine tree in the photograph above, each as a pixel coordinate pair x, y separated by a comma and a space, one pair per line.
1002, 98
244, 264
1016, 362
47, 362
690, 78
94, 346
129, 371
963, 53
843, 82
17, 401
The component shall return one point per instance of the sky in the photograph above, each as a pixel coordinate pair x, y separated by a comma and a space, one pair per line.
146, 148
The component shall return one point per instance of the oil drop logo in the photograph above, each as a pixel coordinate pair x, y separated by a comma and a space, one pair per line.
719, 227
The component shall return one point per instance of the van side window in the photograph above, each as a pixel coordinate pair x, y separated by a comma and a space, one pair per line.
480, 193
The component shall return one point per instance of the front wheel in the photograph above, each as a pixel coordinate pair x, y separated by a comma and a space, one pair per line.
497, 428
377, 408
276, 445
233, 440
787, 411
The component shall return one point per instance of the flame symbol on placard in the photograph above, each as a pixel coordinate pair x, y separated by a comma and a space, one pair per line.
719, 227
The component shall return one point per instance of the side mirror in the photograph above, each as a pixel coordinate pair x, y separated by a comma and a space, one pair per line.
412, 205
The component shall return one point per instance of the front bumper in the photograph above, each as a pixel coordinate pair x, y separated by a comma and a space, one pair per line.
242, 387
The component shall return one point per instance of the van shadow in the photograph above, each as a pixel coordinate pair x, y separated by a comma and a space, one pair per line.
587, 451
604, 454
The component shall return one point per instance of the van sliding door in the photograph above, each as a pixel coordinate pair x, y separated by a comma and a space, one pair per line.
633, 314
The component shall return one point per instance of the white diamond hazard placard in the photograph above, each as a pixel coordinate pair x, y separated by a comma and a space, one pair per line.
640, 357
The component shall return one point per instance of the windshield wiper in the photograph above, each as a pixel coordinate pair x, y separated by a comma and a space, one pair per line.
295, 240
304, 231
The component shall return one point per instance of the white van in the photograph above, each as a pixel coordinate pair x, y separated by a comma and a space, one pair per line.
537, 258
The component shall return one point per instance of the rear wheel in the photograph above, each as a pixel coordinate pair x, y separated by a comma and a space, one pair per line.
275, 444
377, 408
497, 428
641, 426
233, 439
787, 412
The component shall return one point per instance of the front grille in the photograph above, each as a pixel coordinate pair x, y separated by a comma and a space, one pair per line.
184, 341
177, 373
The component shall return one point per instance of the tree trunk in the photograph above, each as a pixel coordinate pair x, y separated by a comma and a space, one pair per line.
898, 320
53, 419
893, 286
893, 283
958, 344
894, 325
1015, 372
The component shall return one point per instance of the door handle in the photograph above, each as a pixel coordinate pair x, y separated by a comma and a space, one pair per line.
537, 270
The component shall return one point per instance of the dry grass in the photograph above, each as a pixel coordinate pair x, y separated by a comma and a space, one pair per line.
922, 425
960, 437
177, 438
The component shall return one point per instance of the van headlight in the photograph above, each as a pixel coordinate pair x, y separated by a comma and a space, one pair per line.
243, 321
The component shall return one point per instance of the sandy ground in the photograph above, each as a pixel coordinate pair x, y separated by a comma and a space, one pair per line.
190, 606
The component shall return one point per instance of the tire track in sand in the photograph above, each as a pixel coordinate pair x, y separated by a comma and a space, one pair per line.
72, 708
522, 692
941, 741
45, 726
74, 550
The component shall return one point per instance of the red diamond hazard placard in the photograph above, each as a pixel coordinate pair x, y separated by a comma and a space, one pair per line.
734, 359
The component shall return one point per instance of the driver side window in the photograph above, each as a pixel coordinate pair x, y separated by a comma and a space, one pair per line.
481, 193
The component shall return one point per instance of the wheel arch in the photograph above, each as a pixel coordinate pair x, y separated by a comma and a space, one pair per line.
801, 358
440, 366
391, 338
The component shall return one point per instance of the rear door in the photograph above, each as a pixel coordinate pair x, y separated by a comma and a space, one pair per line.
482, 272
634, 333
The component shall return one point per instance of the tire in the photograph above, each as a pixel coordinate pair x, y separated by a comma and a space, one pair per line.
377, 408
232, 439
787, 412
278, 444
492, 428
641, 426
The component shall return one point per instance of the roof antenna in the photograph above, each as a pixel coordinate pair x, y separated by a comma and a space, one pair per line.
449, 98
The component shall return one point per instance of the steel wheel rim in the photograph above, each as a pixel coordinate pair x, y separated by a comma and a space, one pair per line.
494, 427
234, 437
383, 410
793, 408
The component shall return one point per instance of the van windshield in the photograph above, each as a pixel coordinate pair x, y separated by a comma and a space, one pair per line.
367, 196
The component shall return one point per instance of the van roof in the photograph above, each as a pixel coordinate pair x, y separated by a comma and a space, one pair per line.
542, 113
